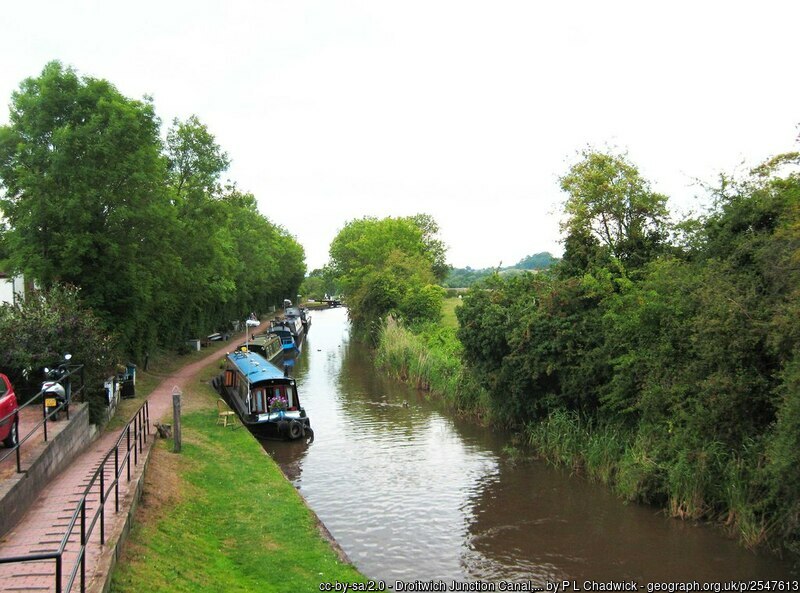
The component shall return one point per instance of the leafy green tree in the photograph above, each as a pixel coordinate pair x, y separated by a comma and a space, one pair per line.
195, 159
313, 287
610, 201
387, 266
82, 171
204, 277
435, 249
364, 245
266, 264
318, 283
534, 341
160, 248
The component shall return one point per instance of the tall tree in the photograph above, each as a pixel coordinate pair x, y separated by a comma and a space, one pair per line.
435, 249
207, 254
83, 175
160, 249
609, 202
388, 266
196, 161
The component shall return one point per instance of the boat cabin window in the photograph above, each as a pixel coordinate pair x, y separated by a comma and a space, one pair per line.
230, 378
286, 392
258, 401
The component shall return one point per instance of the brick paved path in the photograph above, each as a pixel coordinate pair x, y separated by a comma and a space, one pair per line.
44, 525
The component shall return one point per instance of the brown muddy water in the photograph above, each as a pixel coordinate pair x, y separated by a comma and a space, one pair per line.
412, 493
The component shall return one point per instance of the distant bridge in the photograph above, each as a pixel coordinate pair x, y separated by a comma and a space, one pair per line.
331, 302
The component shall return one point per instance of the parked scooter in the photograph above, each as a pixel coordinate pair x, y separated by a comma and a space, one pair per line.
55, 392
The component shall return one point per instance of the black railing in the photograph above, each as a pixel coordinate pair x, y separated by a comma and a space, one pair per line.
135, 436
70, 392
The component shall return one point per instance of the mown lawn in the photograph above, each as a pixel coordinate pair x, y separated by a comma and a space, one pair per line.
220, 516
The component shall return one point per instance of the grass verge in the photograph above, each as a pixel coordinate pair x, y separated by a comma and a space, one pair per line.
449, 307
161, 365
220, 516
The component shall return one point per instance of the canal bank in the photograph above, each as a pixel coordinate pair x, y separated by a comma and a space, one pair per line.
413, 493
221, 516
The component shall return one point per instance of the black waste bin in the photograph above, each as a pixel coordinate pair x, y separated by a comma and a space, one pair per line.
128, 389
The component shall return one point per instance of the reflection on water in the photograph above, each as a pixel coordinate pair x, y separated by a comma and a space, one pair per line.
411, 493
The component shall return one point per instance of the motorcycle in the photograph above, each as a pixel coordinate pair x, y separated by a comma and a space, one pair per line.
54, 391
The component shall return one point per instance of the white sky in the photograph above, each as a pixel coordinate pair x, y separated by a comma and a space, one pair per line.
332, 110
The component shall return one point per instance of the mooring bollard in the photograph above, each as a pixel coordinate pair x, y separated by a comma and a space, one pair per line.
176, 414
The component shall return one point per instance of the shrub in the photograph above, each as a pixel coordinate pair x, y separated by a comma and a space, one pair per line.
39, 330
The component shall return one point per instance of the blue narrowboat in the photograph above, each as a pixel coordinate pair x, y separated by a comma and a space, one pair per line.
284, 332
264, 397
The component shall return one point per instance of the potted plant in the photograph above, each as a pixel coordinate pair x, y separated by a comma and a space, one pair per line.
278, 404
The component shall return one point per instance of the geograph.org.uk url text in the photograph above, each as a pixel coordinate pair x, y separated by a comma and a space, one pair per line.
564, 586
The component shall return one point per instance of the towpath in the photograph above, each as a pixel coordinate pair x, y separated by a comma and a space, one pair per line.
42, 528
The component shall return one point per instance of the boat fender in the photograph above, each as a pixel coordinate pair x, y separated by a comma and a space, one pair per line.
283, 427
295, 429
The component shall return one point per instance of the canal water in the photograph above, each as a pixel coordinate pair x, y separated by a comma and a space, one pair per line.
412, 493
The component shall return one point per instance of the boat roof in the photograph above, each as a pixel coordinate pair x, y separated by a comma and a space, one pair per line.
280, 330
255, 367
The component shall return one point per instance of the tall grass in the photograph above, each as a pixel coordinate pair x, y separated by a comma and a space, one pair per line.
430, 360
706, 482
566, 439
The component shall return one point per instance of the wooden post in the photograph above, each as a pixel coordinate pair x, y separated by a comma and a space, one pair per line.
176, 413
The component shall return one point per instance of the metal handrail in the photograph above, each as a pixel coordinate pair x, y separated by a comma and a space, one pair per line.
141, 429
16, 449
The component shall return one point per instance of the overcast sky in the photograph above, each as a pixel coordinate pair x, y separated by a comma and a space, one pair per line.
331, 110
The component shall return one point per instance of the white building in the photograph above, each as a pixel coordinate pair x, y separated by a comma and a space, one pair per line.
12, 288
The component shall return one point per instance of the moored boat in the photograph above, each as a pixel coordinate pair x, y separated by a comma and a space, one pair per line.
301, 314
267, 345
305, 317
263, 397
284, 332
293, 322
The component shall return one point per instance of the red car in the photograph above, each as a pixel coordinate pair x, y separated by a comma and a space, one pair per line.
9, 417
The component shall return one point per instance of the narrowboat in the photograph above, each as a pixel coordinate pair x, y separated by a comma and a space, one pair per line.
263, 397
267, 345
305, 317
301, 314
293, 324
285, 334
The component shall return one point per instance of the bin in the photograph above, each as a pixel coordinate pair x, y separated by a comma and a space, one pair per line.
130, 372
128, 389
